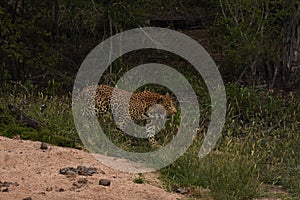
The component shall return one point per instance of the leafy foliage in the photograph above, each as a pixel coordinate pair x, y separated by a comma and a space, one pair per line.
249, 34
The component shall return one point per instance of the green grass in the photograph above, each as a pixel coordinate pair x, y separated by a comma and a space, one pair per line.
56, 122
259, 148
260, 145
140, 179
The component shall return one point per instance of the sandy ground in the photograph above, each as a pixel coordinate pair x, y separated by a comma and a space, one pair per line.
36, 173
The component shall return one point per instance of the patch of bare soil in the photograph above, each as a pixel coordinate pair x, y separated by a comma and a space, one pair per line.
58, 173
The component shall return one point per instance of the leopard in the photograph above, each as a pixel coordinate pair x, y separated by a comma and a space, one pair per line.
144, 107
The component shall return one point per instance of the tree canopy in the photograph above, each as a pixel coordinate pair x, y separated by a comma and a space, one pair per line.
44, 42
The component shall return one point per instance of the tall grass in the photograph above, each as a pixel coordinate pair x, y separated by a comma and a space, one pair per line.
260, 145
260, 142
52, 113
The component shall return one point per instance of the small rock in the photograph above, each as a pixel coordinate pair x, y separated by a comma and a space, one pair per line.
60, 190
8, 184
5, 190
44, 146
86, 171
104, 182
80, 170
27, 198
181, 190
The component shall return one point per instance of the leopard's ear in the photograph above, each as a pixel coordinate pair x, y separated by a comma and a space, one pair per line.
160, 99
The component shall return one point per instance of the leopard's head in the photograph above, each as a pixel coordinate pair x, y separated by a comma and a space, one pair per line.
168, 104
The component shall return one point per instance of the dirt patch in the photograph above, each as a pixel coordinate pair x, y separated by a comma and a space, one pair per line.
29, 171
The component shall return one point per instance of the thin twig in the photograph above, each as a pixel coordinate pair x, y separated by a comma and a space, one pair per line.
95, 8
20, 84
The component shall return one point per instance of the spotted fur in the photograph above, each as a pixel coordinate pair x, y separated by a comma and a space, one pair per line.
139, 104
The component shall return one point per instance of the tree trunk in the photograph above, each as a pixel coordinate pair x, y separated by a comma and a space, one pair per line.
56, 21
291, 50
